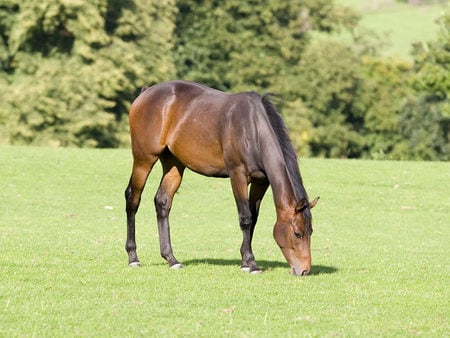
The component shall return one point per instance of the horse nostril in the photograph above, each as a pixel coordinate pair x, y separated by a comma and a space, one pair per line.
303, 273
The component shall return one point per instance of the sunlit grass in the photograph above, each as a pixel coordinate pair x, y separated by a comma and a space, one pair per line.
380, 253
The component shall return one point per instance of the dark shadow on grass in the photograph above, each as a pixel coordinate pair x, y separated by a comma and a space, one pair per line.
264, 265
322, 270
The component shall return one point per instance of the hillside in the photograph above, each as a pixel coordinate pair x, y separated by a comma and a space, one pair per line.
400, 24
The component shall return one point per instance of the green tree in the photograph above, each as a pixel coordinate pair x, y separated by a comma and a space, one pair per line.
330, 75
383, 88
249, 45
351, 97
425, 117
69, 69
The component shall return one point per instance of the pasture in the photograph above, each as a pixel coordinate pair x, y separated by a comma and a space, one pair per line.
398, 24
380, 252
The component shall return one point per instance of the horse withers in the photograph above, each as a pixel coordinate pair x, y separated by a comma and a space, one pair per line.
217, 134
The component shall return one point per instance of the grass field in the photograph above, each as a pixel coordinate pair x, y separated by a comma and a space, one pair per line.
399, 24
380, 250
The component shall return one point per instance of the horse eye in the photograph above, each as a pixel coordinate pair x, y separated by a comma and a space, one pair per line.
298, 234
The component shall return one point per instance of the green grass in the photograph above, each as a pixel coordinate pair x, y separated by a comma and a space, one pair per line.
399, 24
380, 253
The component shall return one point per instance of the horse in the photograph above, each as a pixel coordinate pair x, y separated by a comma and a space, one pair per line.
217, 134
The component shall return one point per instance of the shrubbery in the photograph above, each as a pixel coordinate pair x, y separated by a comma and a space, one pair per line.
69, 70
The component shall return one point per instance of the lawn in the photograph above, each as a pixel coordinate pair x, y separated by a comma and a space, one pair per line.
380, 251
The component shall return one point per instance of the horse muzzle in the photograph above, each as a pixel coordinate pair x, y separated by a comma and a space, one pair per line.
300, 272
299, 266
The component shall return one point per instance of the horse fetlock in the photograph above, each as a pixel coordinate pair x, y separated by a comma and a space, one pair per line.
133, 259
130, 246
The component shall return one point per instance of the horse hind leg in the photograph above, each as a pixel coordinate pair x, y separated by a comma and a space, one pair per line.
133, 193
170, 182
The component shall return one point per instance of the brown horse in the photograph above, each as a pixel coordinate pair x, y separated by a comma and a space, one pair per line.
240, 136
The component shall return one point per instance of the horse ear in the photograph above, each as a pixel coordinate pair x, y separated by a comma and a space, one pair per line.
313, 203
304, 203
301, 205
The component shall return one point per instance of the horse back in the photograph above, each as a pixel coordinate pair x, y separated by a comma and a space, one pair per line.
209, 131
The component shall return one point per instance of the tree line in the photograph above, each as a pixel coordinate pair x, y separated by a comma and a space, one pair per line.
70, 69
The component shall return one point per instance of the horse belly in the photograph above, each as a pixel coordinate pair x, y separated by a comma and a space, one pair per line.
201, 153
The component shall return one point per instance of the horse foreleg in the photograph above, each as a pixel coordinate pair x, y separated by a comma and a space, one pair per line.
240, 190
257, 191
170, 182
133, 198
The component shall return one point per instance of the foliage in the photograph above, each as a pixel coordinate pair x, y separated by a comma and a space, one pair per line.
385, 86
352, 99
327, 86
355, 101
425, 118
237, 45
69, 70
71, 67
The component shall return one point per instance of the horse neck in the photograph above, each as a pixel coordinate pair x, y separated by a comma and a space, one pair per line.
282, 189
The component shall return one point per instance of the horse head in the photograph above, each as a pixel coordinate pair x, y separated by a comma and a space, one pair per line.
294, 238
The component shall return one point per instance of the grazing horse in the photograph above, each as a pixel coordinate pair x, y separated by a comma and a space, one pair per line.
217, 134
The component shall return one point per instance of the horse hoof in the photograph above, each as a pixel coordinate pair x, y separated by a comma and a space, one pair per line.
134, 264
176, 266
248, 270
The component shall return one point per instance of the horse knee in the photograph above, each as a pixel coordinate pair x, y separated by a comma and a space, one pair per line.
132, 201
162, 205
245, 222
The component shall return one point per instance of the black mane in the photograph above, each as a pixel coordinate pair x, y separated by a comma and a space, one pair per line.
289, 154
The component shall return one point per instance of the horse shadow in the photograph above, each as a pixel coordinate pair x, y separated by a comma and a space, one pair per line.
263, 264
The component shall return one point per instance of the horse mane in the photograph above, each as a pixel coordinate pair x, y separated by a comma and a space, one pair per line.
289, 154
